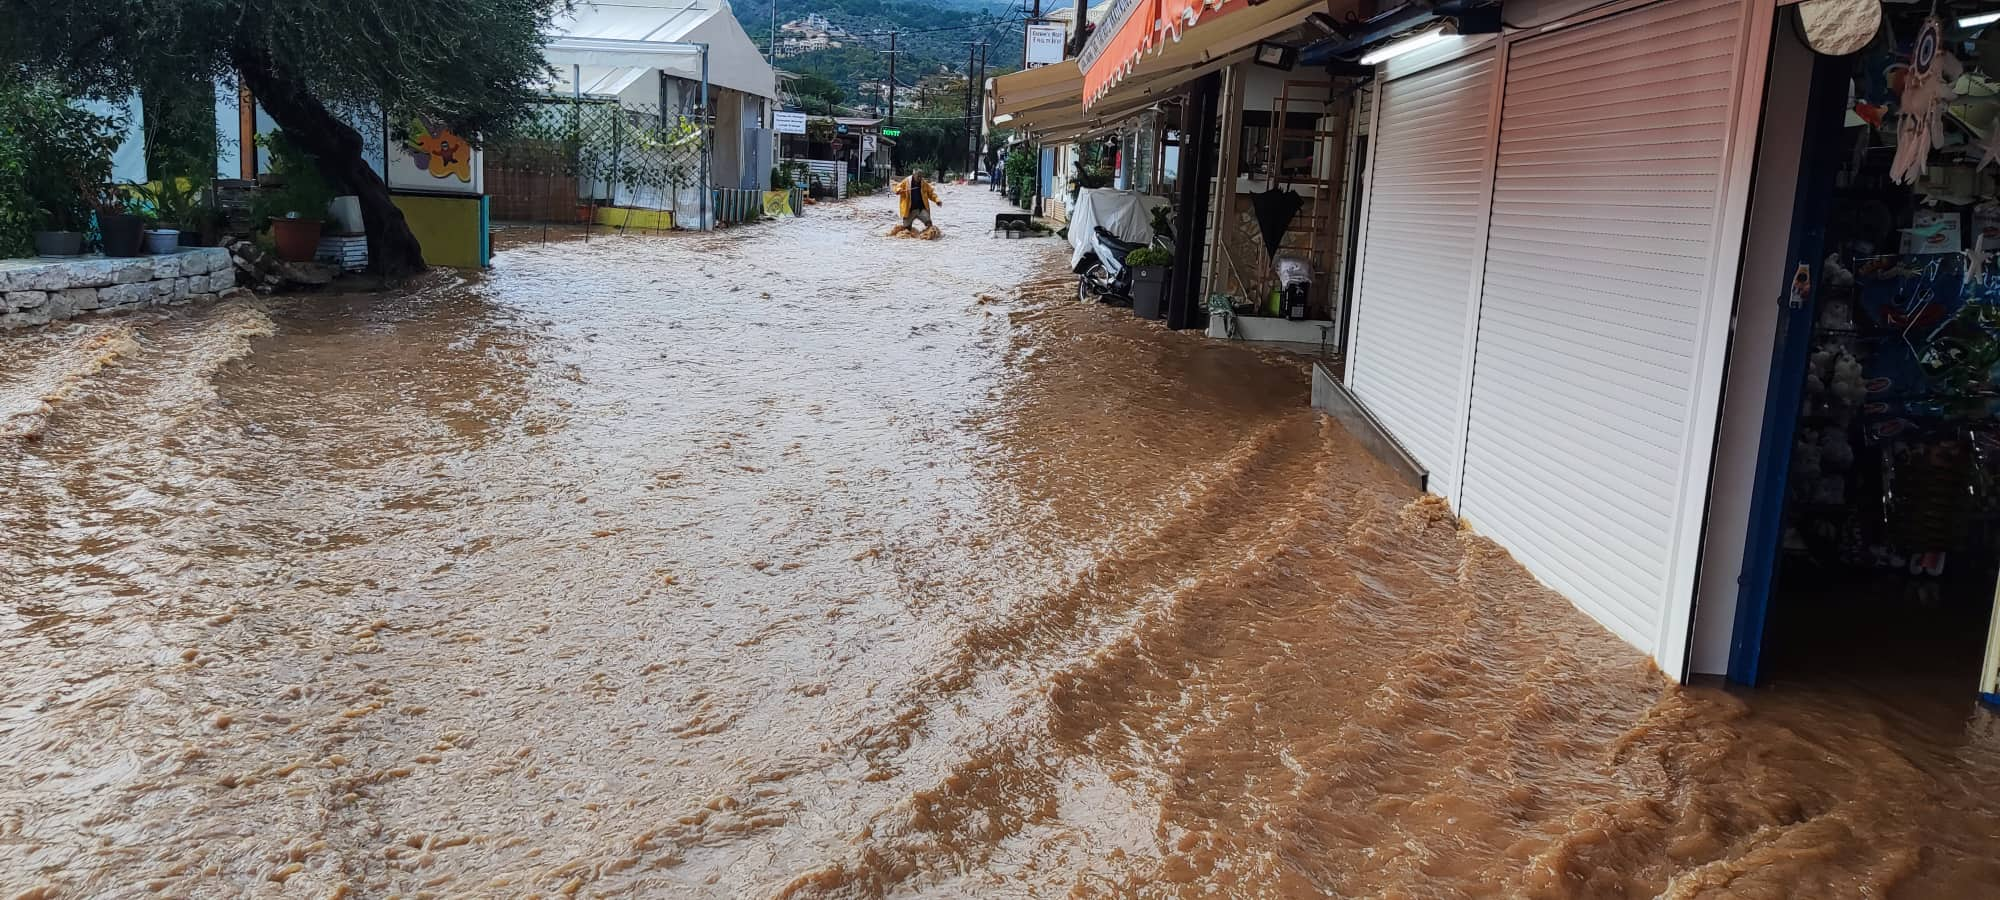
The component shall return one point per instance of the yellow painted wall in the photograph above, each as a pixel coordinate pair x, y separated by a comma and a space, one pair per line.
635, 219
449, 228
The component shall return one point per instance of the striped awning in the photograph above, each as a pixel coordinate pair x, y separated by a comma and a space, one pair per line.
1145, 38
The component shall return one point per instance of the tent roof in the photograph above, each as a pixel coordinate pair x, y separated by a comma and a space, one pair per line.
611, 40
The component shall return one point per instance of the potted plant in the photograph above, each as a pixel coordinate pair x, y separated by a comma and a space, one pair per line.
53, 155
158, 234
179, 208
120, 227
1150, 267
60, 222
295, 202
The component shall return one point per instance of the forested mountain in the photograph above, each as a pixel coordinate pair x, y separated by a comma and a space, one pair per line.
932, 36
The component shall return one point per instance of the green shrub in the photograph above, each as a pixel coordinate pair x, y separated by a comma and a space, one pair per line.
302, 189
1150, 256
55, 160
181, 203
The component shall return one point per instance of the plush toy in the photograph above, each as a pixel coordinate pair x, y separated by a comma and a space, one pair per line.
1847, 384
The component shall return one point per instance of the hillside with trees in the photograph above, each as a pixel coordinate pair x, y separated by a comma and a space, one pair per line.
933, 36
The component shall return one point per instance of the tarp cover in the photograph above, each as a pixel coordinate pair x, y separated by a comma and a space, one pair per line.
1127, 214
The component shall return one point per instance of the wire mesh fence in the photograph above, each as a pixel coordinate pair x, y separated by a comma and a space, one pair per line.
590, 164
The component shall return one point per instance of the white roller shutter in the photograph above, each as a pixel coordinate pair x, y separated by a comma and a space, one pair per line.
1585, 424
1426, 207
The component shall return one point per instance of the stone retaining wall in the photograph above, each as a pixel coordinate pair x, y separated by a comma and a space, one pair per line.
39, 291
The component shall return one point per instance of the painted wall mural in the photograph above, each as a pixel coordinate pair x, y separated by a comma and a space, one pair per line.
426, 156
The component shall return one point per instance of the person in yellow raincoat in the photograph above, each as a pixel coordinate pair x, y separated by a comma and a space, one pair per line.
915, 197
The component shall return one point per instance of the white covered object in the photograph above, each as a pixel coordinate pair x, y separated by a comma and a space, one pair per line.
1127, 214
1293, 270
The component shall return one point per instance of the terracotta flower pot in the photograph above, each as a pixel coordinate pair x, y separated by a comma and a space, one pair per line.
297, 239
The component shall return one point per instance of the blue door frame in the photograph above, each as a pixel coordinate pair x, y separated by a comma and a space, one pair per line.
1820, 163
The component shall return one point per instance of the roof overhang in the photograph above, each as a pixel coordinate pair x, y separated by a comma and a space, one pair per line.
1156, 37
1127, 100
1029, 91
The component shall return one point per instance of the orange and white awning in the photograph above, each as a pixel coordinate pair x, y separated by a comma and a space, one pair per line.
1159, 38
1019, 97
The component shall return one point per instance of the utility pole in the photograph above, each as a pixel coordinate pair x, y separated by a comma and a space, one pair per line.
979, 108
971, 118
774, 28
1033, 19
1077, 26
892, 77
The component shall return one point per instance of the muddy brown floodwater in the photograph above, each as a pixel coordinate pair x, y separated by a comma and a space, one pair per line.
800, 562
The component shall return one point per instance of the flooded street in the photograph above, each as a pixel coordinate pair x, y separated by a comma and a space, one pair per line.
797, 561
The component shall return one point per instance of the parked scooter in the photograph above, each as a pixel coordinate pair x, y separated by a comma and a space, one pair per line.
1102, 275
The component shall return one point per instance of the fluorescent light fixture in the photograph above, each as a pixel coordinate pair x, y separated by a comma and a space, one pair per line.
1978, 20
1003, 118
1405, 45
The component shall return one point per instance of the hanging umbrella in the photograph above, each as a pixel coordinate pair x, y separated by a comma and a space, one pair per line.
1275, 209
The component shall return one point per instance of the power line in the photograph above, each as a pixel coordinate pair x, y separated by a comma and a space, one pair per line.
906, 32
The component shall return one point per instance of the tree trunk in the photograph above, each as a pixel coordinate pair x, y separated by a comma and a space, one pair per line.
336, 146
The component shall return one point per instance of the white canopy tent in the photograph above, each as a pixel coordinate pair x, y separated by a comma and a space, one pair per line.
620, 51
602, 48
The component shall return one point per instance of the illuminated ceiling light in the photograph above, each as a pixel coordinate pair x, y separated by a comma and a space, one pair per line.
1003, 118
1413, 42
1978, 20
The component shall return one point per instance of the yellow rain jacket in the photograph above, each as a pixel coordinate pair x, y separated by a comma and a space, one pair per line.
903, 197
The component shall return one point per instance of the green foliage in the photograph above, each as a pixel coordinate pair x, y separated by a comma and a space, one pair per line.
930, 145
181, 203
1020, 164
474, 67
932, 37
181, 136
55, 162
817, 94
301, 192
1150, 256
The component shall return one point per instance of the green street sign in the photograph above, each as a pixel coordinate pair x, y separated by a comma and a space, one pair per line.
892, 132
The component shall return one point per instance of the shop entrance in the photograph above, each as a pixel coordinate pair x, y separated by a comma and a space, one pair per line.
1875, 540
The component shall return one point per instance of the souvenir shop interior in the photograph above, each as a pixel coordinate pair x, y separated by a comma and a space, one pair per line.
1891, 528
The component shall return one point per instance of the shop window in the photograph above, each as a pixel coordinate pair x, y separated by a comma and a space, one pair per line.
1891, 536
1262, 149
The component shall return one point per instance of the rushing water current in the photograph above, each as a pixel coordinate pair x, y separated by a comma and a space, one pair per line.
798, 561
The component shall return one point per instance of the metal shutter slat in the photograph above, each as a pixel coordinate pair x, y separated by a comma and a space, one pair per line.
1427, 203
1600, 260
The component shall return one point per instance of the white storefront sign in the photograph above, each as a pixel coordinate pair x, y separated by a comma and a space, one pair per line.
1045, 43
788, 122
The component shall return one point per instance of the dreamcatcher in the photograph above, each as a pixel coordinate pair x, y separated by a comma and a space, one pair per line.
1927, 90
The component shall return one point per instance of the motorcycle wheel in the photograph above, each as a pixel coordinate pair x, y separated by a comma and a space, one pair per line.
1090, 286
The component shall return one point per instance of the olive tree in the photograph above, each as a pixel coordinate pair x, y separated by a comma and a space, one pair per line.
473, 65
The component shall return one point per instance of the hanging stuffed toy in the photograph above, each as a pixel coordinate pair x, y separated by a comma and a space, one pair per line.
1927, 90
